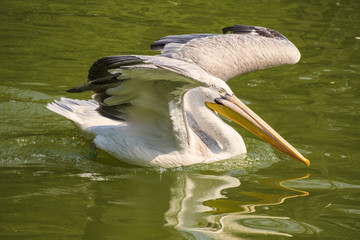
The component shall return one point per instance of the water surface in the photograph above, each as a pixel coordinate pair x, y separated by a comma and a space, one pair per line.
52, 186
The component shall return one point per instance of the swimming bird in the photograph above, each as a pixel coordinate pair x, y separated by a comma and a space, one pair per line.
163, 110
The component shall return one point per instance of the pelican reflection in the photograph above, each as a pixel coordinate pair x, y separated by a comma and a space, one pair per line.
199, 209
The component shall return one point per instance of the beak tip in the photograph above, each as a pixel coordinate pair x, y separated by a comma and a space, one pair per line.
306, 161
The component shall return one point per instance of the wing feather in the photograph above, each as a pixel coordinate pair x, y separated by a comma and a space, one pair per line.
180, 39
243, 29
245, 49
136, 87
126, 85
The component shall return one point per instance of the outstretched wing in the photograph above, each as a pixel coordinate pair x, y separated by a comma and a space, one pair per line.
245, 49
139, 88
127, 85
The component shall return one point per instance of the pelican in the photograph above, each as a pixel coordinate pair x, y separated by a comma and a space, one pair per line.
163, 110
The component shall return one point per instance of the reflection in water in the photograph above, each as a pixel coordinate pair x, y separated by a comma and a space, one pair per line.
197, 208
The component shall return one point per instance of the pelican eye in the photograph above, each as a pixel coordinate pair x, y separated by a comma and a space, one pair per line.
221, 91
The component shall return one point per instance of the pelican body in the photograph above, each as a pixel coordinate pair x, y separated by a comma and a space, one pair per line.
162, 110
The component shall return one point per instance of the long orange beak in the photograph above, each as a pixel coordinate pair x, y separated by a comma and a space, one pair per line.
232, 108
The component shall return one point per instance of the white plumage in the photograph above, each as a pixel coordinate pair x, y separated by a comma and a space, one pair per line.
162, 110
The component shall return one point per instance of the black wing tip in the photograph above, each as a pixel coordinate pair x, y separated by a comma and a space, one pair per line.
100, 67
80, 88
159, 44
262, 31
74, 90
156, 46
109, 112
99, 77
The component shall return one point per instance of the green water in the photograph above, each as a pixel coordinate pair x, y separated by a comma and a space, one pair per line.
53, 187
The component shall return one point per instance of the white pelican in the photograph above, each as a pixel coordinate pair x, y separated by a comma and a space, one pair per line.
162, 110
